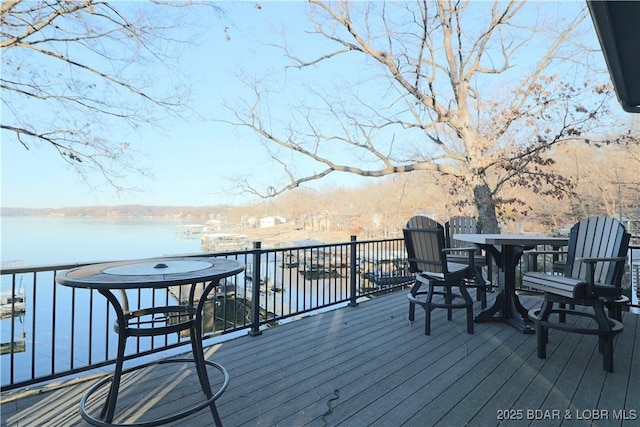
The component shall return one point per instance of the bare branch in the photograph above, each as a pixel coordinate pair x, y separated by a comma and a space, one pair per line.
434, 86
72, 70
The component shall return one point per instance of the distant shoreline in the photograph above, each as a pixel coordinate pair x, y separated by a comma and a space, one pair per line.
118, 211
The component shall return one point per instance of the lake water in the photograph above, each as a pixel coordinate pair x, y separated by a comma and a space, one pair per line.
50, 240
32, 241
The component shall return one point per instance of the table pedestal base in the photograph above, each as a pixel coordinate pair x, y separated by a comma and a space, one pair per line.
151, 322
210, 402
507, 307
507, 310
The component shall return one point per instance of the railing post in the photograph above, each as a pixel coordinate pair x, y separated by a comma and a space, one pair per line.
352, 273
634, 270
255, 290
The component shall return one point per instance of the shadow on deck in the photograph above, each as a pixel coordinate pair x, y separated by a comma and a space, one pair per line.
368, 366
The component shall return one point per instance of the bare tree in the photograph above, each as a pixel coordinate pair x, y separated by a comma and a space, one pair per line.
474, 91
609, 181
73, 71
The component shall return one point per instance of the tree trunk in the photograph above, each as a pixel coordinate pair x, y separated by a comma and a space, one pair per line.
486, 209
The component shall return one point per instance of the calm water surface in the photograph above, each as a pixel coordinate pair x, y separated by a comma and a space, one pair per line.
49, 240
36, 241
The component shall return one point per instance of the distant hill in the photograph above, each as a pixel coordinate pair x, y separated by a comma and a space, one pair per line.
120, 211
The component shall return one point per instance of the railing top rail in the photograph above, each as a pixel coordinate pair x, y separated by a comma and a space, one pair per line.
43, 267
65, 266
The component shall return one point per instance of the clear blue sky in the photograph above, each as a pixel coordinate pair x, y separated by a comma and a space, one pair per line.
191, 162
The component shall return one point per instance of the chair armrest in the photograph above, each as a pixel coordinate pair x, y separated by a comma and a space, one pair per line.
533, 256
595, 260
591, 262
470, 251
467, 249
545, 252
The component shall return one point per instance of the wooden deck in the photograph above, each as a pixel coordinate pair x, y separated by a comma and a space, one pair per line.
368, 366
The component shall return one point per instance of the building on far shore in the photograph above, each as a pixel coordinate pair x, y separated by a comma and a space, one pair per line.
271, 221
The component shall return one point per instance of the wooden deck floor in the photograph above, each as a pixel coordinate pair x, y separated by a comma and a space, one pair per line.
368, 366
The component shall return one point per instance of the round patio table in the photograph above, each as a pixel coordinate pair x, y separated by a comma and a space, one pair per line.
155, 273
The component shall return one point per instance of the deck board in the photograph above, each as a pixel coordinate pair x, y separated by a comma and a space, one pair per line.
370, 366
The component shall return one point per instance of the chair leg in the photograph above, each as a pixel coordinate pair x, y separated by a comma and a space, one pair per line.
467, 299
427, 320
615, 312
543, 337
412, 311
412, 305
428, 309
614, 308
481, 290
606, 348
543, 331
449, 298
483, 298
605, 341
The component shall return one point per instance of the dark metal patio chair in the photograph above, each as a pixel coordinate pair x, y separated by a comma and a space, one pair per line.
465, 224
595, 264
427, 255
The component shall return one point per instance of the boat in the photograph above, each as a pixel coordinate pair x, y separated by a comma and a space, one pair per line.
189, 231
12, 305
15, 346
290, 260
312, 271
225, 289
386, 278
386, 271
212, 242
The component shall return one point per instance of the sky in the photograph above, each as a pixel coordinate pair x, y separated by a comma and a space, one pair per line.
191, 163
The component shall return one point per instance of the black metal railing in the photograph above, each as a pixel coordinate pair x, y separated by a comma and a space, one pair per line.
632, 277
50, 331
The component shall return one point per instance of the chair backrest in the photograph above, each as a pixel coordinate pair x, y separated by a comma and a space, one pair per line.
424, 240
460, 225
597, 237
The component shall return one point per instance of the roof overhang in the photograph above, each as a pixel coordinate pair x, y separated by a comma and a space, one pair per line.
617, 24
